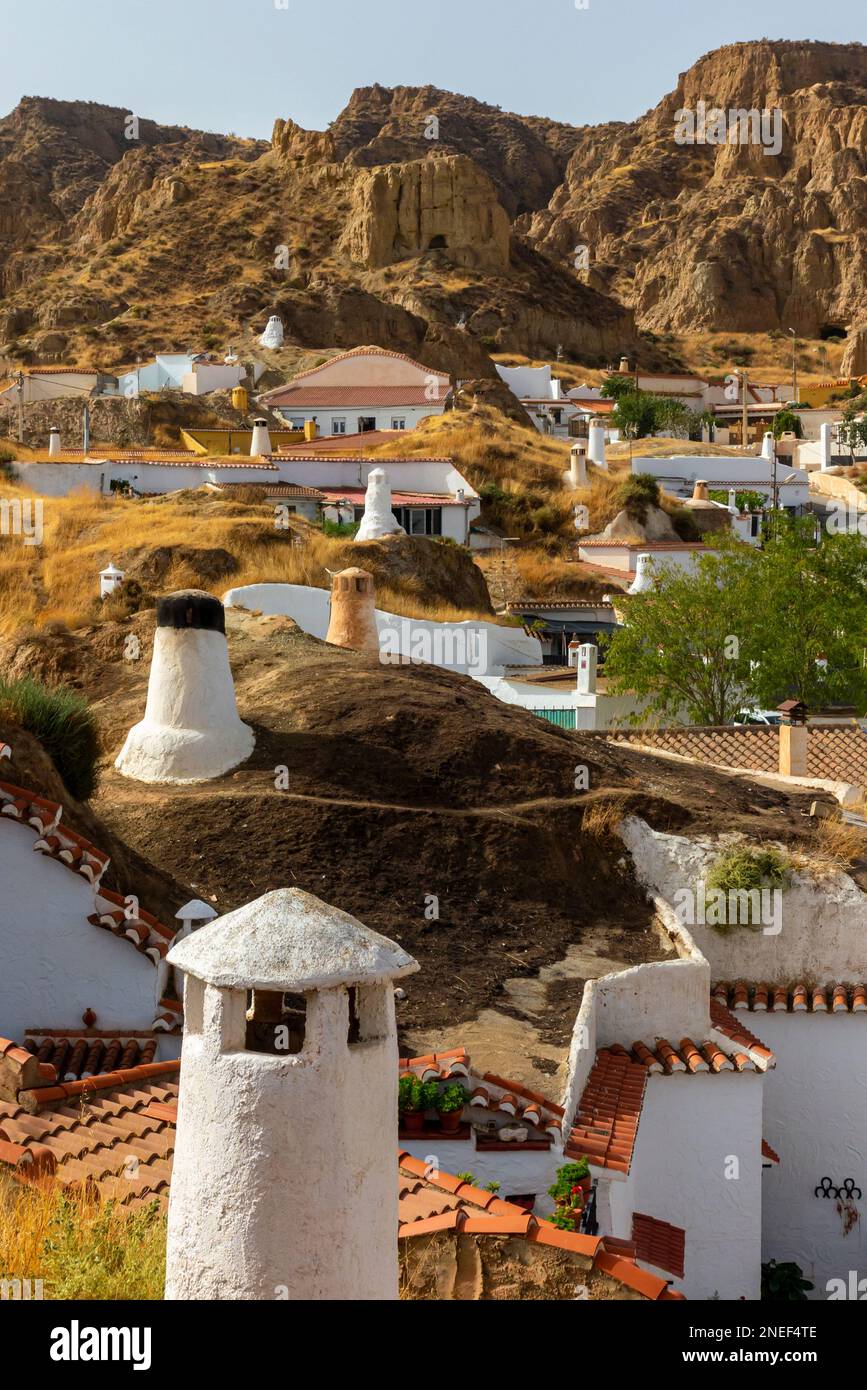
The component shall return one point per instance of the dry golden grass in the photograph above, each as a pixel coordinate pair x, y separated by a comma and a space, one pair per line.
602, 818
57, 581
79, 1245
834, 845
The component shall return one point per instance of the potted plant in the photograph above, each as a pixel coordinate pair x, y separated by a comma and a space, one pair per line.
411, 1102
450, 1104
569, 1190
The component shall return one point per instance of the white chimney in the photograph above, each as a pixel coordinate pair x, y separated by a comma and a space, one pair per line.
261, 441
643, 574
825, 446
578, 464
768, 445
572, 652
378, 519
596, 443
192, 915
110, 579
191, 729
587, 657
54, 442
273, 334
284, 1184
733, 501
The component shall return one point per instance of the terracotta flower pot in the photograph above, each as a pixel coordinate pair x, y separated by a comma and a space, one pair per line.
413, 1121
450, 1121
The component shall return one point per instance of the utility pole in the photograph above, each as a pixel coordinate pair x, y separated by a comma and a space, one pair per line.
745, 419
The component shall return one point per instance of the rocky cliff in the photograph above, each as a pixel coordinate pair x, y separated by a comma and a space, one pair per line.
761, 239
443, 226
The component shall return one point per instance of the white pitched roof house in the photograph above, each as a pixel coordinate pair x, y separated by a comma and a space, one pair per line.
369, 388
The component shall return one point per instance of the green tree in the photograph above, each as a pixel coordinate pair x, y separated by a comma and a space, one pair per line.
682, 647
635, 414
615, 386
787, 422
808, 636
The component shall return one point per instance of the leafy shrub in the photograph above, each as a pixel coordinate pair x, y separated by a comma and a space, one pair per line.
568, 1176
784, 1283
745, 867
450, 1099
637, 492
62, 722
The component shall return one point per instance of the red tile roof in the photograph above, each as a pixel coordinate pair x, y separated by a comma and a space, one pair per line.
309, 397
276, 490
606, 1121
430, 1200
78, 1056
490, 1093
356, 495
838, 998
107, 1132
117, 1134
368, 350
337, 444
770, 1154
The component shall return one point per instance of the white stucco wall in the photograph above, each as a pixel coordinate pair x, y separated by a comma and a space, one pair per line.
823, 934
310, 608
325, 416
284, 1181
691, 1129
816, 1120
55, 963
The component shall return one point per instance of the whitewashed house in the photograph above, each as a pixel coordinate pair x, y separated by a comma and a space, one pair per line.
193, 373
53, 383
85, 978
679, 474
368, 388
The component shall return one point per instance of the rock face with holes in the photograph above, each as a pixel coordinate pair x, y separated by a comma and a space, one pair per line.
405, 210
768, 226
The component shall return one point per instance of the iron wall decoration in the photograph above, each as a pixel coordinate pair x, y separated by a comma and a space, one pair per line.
847, 1190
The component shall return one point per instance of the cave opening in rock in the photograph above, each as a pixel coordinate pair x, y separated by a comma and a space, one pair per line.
831, 330
437, 243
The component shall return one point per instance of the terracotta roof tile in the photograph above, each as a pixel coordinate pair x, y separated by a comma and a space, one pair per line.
801, 997
659, 1243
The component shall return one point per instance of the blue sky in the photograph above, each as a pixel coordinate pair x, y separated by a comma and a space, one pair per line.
235, 65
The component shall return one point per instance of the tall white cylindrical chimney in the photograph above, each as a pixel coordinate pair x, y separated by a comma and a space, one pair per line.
110, 579
587, 657
378, 519
284, 1184
767, 445
825, 446
643, 574
596, 443
261, 441
578, 464
54, 442
191, 729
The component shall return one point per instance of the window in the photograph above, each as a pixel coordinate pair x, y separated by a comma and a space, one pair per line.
657, 1243
420, 521
365, 423
276, 1022
398, 423
338, 424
